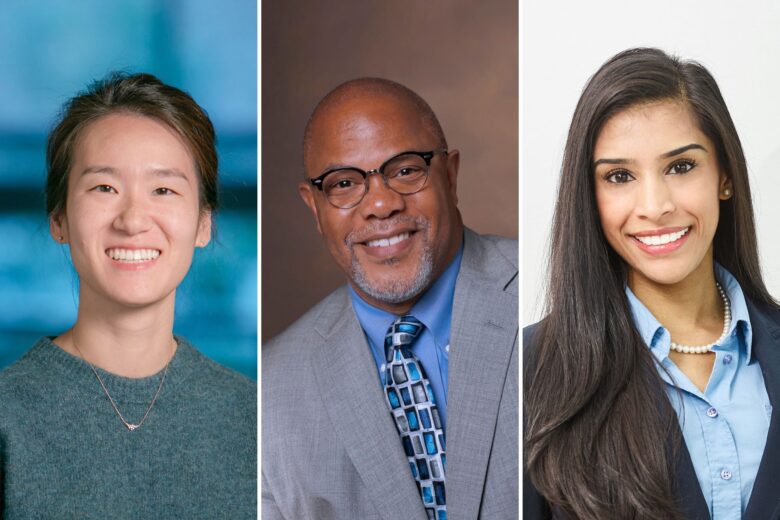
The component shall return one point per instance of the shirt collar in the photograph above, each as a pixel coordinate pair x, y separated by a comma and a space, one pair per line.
657, 337
433, 309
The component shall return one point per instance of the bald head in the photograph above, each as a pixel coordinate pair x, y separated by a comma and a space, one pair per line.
343, 105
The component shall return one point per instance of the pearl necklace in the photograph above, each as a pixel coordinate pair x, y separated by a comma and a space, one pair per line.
703, 349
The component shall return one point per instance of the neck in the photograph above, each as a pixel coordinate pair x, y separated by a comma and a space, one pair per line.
130, 342
691, 310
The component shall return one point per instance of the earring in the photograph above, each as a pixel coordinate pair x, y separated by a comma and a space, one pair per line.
727, 192
60, 238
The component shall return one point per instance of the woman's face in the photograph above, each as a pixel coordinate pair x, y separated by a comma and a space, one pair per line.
132, 216
658, 188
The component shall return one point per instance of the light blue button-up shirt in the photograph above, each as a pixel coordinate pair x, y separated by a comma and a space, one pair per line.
432, 346
726, 426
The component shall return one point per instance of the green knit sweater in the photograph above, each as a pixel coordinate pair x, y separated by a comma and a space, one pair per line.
65, 454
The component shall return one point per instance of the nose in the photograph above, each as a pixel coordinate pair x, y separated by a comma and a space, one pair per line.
380, 201
654, 199
133, 215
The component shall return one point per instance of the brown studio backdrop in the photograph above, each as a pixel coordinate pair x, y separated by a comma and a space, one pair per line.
460, 56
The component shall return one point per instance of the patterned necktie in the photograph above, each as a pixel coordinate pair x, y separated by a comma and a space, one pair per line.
413, 408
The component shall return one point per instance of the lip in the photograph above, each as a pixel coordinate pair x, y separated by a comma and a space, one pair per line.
661, 249
136, 265
384, 252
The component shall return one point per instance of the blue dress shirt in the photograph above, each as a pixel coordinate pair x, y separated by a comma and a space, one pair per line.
432, 346
726, 426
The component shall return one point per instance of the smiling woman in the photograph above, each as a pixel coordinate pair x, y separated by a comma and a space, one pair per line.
154, 428
650, 385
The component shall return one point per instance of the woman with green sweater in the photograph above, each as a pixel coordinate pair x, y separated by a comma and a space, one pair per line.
117, 417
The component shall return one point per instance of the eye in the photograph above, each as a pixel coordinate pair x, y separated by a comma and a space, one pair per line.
408, 170
104, 188
342, 183
681, 167
342, 180
164, 191
618, 177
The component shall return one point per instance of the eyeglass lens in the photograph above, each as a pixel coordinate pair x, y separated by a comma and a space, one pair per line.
405, 174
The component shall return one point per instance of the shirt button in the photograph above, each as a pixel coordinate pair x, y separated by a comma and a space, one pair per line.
447, 348
725, 474
727, 359
712, 412
382, 368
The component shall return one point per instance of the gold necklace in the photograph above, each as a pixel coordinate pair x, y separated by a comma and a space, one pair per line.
130, 426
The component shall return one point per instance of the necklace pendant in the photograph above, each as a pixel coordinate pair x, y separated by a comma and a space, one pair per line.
132, 427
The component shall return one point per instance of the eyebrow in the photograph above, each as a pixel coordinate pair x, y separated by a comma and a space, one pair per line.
683, 149
98, 169
170, 172
335, 166
157, 172
666, 155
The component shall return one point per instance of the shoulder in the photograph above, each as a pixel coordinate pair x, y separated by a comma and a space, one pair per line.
764, 317
27, 382
26, 370
218, 382
530, 334
296, 340
506, 247
490, 259
492, 246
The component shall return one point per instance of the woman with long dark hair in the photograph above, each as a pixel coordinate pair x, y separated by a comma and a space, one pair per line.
649, 386
116, 417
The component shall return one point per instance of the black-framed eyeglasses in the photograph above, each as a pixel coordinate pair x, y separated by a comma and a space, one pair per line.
404, 173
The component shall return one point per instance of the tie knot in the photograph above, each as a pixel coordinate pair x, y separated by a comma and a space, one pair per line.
402, 332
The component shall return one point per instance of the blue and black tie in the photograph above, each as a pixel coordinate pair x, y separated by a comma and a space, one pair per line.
416, 416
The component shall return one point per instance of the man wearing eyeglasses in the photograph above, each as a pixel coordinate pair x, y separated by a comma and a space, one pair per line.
396, 396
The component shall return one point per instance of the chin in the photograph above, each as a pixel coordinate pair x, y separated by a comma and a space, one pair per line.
390, 287
663, 275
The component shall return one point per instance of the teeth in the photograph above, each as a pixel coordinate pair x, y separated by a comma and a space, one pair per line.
659, 240
385, 242
133, 255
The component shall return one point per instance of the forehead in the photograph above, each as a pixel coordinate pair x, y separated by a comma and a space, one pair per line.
130, 142
649, 130
364, 132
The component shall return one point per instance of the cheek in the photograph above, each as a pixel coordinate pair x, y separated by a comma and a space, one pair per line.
614, 214
334, 229
609, 208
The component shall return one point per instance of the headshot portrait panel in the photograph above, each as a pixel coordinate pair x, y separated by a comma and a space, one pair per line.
651, 273
460, 57
389, 276
52, 54
128, 194
557, 64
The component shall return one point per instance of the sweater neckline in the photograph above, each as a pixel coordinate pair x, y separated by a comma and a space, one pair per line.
78, 373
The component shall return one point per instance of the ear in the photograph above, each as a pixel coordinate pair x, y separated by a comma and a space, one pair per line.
306, 191
725, 190
453, 165
58, 225
204, 229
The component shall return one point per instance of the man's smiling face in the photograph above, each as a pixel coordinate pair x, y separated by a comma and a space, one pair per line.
390, 246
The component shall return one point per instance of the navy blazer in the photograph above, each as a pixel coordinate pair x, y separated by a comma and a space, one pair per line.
764, 501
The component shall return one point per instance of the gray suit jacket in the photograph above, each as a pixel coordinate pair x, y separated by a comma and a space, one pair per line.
330, 448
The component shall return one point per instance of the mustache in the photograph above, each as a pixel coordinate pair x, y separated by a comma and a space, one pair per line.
360, 235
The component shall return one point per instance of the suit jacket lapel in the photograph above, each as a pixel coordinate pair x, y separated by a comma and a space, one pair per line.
765, 499
483, 333
353, 399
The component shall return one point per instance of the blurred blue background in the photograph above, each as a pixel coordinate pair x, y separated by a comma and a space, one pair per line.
50, 50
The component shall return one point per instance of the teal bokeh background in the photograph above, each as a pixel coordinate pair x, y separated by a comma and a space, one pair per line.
50, 50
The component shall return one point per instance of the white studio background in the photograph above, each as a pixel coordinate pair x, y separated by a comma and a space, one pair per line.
564, 43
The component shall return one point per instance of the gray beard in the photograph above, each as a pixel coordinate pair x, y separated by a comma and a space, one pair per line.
397, 290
